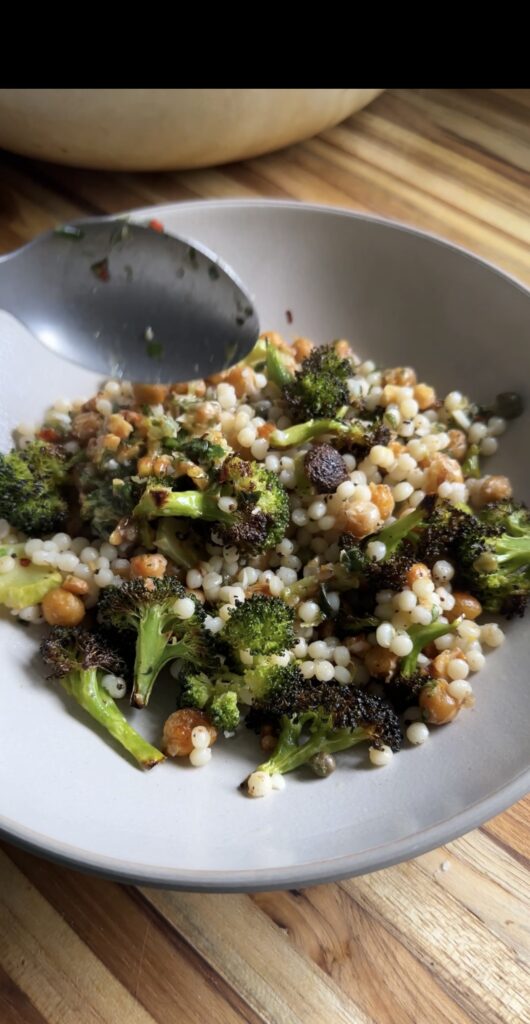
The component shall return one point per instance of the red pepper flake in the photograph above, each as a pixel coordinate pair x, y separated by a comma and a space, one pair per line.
101, 269
48, 434
25, 561
156, 225
288, 316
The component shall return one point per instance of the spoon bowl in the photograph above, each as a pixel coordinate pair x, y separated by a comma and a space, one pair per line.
127, 299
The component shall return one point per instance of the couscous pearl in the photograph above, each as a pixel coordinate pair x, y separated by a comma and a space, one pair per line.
104, 578
443, 571
406, 601
108, 551
475, 660
423, 588
259, 784
103, 406
193, 579
488, 446
78, 544
44, 557
31, 546
381, 456
445, 642
198, 758
112, 387
402, 491
458, 669
247, 436
324, 671
376, 549
459, 689
421, 616
492, 635
241, 419
184, 608
102, 563
67, 561
408, 408
308, 611
200, 737
401, 645
226, 396
385, 634
317, 510
89, 555
287, 576
114, 685
272, 463
384, 611
350, 462
477, 432
259, 448
62, 541
469, 630
7, 564
496, 426
212, 579
342, 675
318, 649
446, 599
307, 669
341, 655
300, 649
362, 493
453, 401
49, 545
286, 547
82, 571
417, 733
277, 780
381, 757
32, 613
213, 623
334, 601
299, 517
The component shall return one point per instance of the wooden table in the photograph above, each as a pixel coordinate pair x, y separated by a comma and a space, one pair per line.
440, 940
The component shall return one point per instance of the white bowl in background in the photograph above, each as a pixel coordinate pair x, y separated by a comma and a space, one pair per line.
166, 129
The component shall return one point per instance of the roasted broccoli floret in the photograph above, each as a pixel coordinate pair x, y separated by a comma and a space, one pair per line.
259, 521
206, 451
261, 625
494, 557
164, 630
80, 660
219, 699
319, 388
108, 500
312, 718
31, 482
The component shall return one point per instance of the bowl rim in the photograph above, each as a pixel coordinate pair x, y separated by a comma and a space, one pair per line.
310, 873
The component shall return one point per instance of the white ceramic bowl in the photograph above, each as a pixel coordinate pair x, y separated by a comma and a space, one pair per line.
401, 297
166, 129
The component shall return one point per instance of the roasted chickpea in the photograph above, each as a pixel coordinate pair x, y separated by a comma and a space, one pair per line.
382, 497
425, 396
176, 736
436, 703
153, 566
358, 517
457, 446
441, 468
418, 571
465, 604
492, 488
381, 663
61, 608
149, 394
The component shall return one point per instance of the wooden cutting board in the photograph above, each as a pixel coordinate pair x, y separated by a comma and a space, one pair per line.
444, 939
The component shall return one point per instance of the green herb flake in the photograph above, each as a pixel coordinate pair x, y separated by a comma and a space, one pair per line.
154, 350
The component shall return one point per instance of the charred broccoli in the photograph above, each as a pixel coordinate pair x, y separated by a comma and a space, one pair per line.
31, 482
494, 557
106, 501
219, 699
325, 468
154, 609
80, 660
259, 521
312, 718
354, 435
319, 388
261, 625
409, 679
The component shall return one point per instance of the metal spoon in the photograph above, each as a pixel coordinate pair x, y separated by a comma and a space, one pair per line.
122, 298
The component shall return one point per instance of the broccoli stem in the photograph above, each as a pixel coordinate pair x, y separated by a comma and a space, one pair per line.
290, 754
421, 636
84, 686
276, 369
391, 536
174, 547
152, 653
301, 432
157, 502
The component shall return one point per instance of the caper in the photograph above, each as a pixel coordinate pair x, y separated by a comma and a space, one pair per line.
323, 764
509, 405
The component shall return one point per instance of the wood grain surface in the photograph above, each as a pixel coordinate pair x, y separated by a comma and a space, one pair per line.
444, 939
